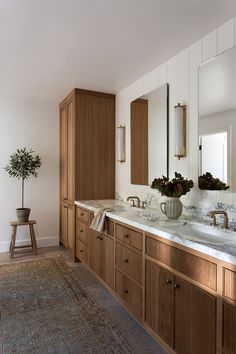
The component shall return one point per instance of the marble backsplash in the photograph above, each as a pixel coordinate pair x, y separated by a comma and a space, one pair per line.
193, 209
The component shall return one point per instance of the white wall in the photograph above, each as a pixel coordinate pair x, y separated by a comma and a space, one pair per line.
36, 126
181, 72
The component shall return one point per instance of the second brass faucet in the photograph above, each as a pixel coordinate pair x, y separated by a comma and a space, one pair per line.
134, 198
213, 214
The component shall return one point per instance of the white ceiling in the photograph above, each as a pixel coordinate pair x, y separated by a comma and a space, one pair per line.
49, 47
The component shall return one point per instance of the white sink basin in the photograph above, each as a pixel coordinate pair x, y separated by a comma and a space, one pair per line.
204, 234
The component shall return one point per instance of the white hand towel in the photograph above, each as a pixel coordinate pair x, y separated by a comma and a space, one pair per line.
98, 222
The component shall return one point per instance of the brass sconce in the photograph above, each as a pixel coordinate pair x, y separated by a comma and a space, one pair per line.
180, 131
121, 143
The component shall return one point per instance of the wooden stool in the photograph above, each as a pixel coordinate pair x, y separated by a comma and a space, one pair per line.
33, 244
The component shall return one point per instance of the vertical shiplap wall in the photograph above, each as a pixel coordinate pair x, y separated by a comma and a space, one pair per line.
181, 72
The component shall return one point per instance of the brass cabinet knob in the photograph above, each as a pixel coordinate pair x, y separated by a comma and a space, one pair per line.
81, 214
126, 236
126, 291
126, 261
176, 286
81, 251
81, 230
65, 206
168, 281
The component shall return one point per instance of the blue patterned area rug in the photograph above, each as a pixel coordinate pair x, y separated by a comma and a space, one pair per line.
44, 308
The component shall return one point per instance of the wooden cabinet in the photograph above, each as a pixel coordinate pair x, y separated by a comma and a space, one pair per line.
102, 256
130, 293
229, 329
159, 301
82, 239
181, 313
67, 225
87, 149
129, 261
195, 319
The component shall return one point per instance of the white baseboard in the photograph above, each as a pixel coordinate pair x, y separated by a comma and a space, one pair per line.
41, 242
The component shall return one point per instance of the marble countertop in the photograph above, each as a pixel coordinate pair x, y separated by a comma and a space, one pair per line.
152, 221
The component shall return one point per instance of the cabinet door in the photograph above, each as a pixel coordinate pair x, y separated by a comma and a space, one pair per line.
107, 260
63, 153
63, 224
159, 301
229, 329
195, 319
95, 251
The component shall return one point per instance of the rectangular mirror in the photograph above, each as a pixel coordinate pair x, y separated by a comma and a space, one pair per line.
149, 136
217, 118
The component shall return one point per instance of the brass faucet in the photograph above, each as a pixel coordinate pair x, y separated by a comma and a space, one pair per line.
133, 200
213, 214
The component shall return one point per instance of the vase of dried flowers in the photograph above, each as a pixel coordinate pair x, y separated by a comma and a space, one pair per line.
173, 189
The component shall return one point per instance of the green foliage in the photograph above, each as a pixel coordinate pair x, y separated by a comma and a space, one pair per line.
23, 164
207, 181
172, 188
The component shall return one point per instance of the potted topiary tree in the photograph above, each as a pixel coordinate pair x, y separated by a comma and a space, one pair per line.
22, 165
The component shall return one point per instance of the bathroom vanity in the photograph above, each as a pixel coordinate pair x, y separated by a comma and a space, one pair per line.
180, 287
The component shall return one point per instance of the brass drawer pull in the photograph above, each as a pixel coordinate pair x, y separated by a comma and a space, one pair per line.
126, 236
65, 206
126, 291
126, 261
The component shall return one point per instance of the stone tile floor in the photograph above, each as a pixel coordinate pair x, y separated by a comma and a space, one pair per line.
139, 340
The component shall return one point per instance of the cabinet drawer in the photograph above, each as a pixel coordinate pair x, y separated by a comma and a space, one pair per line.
229, 284
129, 236
82, 231
129, 261
192, 266
130, 293
81, 251
83, 215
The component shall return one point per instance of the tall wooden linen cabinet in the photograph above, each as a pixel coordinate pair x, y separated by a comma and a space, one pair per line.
87, 154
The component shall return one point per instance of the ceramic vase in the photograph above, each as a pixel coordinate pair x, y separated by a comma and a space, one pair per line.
172, 208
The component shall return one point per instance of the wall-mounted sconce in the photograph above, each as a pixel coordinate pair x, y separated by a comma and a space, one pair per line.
121, 143
180, 131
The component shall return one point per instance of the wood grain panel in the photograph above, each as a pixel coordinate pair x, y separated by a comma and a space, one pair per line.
129, 236
130, 293
70, 151
229, 284
63, 224
63, 153
195, 319
229, 329
95, 252
95, 157
129, 261
107, 260
159, 301
192, 266
83, 214
82, 231
71, 227
81, 251
139, 141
